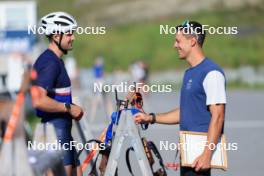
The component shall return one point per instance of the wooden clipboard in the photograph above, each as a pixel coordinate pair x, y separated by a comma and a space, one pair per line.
192, 145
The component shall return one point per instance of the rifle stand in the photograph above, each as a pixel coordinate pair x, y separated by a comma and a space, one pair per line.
127, 129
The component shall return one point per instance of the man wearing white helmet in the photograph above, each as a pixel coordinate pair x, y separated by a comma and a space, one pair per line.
55, 103
59, 23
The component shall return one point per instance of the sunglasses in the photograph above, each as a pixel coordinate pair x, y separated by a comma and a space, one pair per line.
186, 24
190, 29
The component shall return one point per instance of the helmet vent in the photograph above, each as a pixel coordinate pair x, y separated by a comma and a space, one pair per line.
50, 16
43, 22
61, 23
66, 18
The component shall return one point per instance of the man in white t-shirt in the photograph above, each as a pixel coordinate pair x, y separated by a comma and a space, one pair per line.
203, 96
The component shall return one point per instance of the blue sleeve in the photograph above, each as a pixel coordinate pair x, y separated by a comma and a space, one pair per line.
47, 74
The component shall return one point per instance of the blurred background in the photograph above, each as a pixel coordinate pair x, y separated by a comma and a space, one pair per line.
132, 49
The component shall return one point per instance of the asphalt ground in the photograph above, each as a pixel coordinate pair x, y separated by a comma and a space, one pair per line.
244, 125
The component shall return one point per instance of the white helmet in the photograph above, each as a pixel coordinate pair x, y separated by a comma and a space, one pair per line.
58, 22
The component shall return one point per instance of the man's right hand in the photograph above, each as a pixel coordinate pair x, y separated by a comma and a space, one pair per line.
76, 112
142, 118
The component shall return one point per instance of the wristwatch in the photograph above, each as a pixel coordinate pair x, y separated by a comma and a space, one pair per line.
67, 106
153, 117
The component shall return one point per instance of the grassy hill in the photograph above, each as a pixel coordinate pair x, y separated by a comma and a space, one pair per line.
124, 43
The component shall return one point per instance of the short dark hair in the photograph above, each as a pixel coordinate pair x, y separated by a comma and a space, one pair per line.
193, 28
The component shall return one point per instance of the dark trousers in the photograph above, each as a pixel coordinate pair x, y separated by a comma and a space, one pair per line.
188, 171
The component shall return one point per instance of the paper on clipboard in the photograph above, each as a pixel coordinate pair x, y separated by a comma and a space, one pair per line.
192, 145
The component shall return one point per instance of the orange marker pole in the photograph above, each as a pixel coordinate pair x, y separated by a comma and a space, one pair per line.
12, 123
93, 152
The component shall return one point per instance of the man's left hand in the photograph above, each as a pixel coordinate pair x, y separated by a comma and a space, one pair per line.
202, 162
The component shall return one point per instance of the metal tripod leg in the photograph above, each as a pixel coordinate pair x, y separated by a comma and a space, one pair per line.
127, 129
